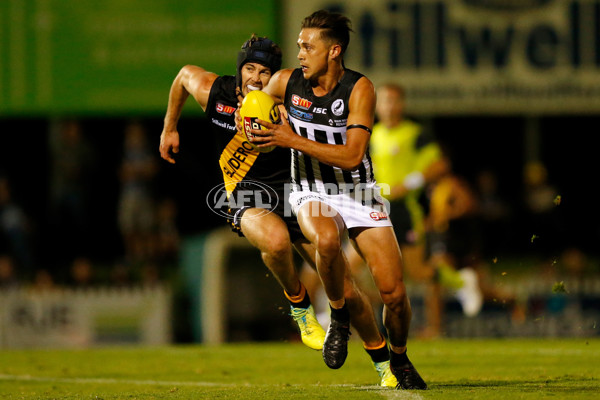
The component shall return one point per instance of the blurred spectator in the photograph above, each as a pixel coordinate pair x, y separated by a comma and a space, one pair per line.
120, 275
8, 277
565, 279
82, 272
542, 201
150, 275
71, 160
495, 213
167, 234
43, 281
15, 232
576, 264
136, 214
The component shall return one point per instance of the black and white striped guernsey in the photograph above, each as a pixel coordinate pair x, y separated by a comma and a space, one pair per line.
323, 119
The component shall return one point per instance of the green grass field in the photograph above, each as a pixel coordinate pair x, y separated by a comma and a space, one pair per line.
454, 369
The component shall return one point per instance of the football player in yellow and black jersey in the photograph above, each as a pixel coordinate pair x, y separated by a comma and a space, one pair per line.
331, 112
265, 174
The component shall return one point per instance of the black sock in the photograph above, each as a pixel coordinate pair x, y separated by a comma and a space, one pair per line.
399, 360
304, 303
340, 314
379, 355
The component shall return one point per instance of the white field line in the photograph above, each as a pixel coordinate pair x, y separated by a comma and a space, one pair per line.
386, 393
29, 378
389, 393
400, 394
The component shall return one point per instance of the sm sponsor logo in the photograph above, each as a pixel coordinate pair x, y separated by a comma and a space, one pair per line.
378, 216
225, 109
300, 102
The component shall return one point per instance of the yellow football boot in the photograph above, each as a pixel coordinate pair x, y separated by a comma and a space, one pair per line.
311, 331
385, 373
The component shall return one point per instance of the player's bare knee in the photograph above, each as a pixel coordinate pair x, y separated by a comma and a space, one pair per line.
395, 297
278, 248
328, 244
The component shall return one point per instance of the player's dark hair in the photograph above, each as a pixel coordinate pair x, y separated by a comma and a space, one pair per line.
334, 27
261, 50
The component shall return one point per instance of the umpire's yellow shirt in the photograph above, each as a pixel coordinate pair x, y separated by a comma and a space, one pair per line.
401, 150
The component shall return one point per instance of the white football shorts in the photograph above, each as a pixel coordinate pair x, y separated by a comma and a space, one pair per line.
361, 208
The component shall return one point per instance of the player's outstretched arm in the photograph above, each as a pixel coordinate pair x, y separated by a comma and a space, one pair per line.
190, 80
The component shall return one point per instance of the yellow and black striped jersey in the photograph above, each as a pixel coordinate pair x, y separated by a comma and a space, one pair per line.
239, 161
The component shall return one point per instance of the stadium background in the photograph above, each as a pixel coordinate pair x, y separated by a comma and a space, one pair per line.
501, 83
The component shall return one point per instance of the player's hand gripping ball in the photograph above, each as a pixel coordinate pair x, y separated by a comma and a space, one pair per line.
258, 105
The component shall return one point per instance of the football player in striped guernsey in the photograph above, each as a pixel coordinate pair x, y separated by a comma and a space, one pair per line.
330, 111
245, 168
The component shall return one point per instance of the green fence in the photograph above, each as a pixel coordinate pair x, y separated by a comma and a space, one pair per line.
115, 56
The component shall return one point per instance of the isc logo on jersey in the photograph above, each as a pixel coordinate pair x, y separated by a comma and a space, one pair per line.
258, 105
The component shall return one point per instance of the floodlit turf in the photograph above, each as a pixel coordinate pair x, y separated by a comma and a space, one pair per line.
454, 369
